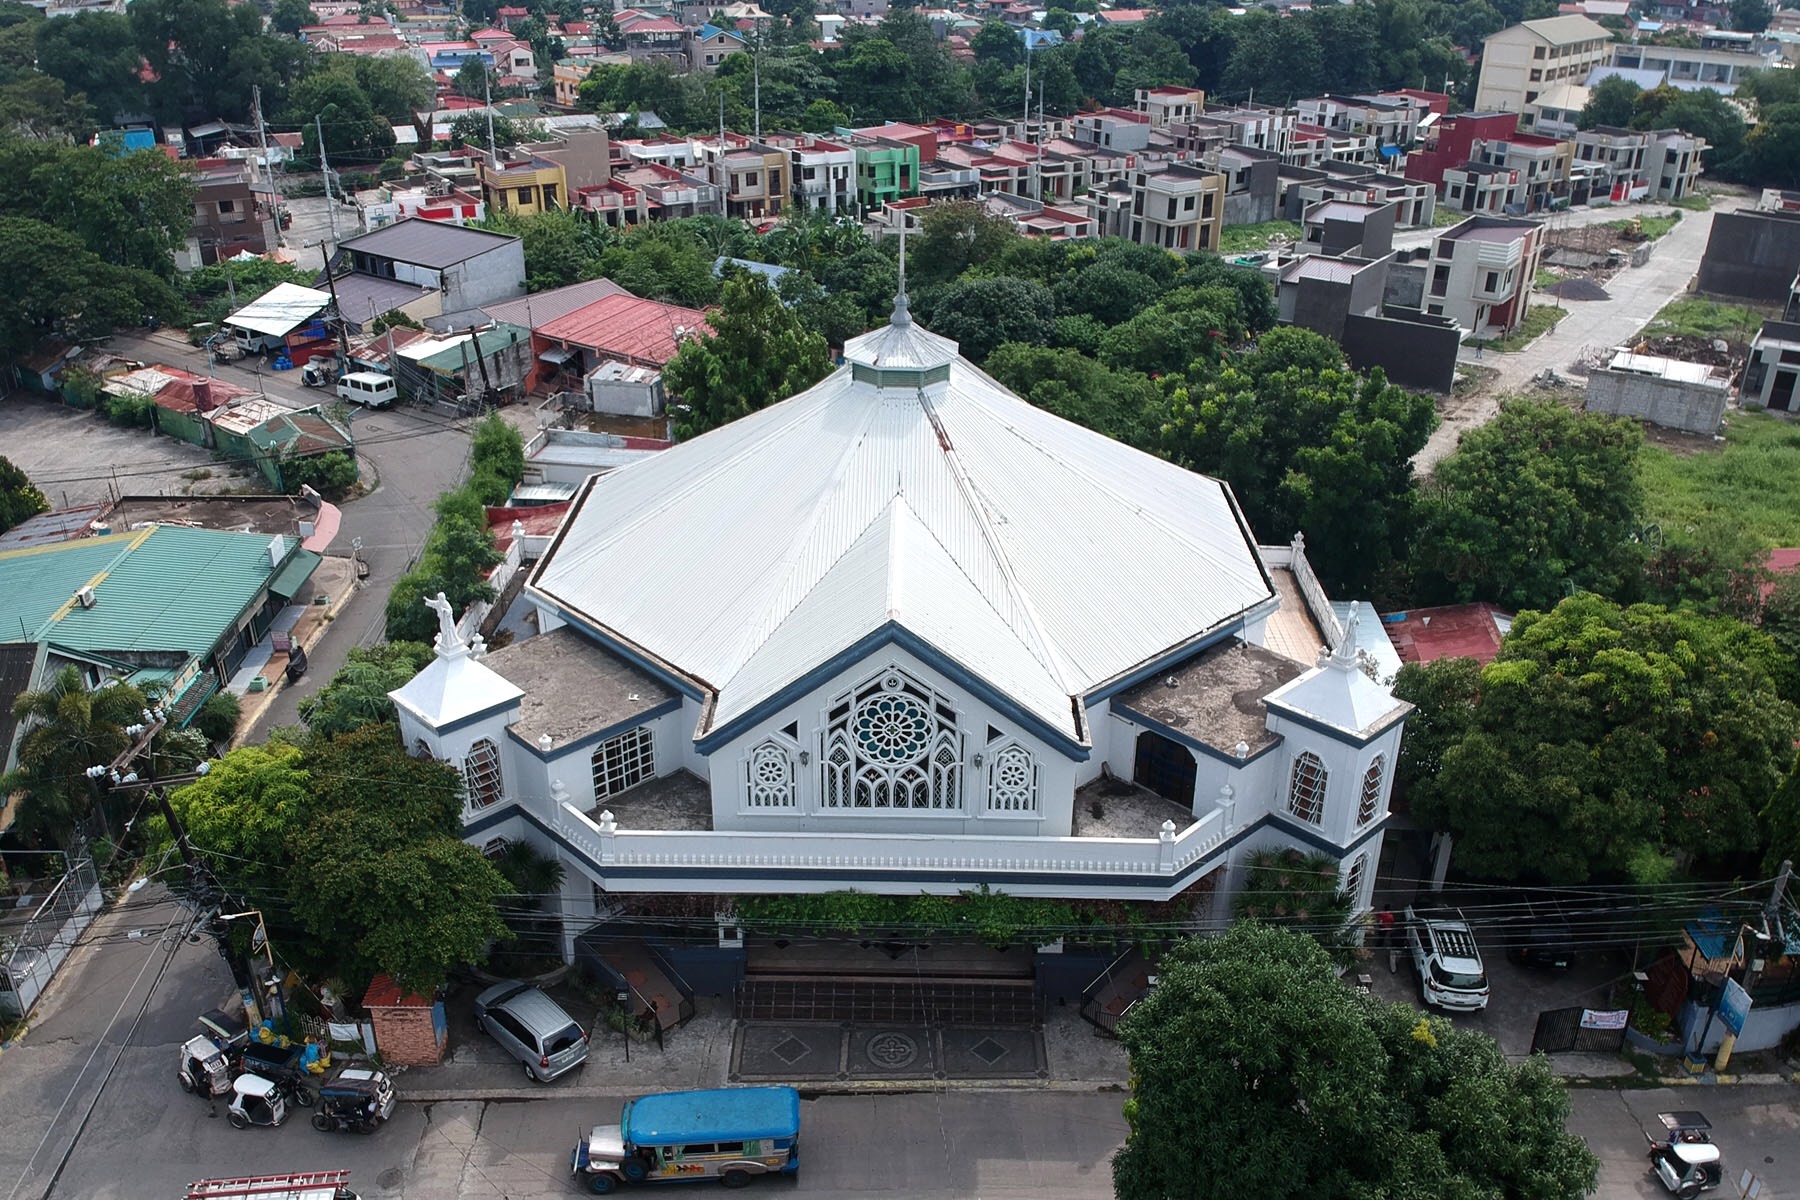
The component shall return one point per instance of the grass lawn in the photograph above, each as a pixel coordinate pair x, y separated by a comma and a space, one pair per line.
1693, 317
1653, 227
1544, 278
1540, 320
1752, 483
1441, 217
1239, 238
1694, 202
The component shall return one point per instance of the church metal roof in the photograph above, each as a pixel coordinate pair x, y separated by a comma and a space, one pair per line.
906, 491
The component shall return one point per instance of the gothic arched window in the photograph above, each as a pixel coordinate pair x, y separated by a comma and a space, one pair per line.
1370, 800
892, 743
481, 772
769, 776
1306, 788
1012, 780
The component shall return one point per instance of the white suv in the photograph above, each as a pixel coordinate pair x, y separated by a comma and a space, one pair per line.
1443, 952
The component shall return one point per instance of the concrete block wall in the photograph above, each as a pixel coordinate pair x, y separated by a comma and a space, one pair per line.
1670, 403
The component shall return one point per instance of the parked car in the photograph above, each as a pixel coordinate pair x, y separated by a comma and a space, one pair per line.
1443, 952
1549, 943
533, 1028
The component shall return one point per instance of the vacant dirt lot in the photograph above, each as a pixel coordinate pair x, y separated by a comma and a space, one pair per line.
76, 457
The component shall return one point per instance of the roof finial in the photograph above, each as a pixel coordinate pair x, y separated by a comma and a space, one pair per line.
902, 307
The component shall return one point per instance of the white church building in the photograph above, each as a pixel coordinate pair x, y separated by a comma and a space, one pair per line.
906, 633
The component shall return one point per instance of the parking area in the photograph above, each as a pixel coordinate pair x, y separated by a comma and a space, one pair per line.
77, 457
1516, 994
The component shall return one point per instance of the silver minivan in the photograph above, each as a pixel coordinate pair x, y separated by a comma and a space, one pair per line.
369, 388
533, 1028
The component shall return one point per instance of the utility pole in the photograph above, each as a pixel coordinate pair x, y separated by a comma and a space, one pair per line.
756, 76
330, 201
487, 100
262, 135
1755, 957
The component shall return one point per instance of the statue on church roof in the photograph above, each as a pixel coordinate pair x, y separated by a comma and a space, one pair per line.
448, 640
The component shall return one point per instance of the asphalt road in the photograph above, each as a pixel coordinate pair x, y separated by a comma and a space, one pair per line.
89, 1109
1757, 1129
409, 456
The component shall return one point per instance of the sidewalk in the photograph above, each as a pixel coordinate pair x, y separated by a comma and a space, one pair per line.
335, 579
703, 1052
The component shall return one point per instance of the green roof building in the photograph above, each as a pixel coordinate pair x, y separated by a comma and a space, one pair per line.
181, 605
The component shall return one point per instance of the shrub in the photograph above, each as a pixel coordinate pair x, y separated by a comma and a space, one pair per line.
218, 717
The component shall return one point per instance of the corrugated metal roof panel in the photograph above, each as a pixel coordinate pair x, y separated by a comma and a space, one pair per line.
280, 310
166, 587
1044, 558
434, 244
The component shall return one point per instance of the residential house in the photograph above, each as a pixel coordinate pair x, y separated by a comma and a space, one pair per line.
1481, 187
1523, 61
1752, 253
1674, 163
426, 265
1112, 129
1451, 142
828, 721
231, 216
1177, 208
1344, 228
470, 370
1556, 113
1251, 184
648, 191
823, 173
1481, 273
888, 161
653, 38
620, 329
435, 201
709, 45
1773, 367
751, 175
539, 176
1166, 106
1617, 160
566, 78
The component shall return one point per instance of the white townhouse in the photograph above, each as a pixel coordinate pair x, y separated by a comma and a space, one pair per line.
906, 633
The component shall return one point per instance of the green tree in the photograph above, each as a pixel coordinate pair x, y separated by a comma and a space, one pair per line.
218, 718
1108, 292
1751, 16
1537, 501
1607, 739
397, 86
1612, 101
353, 849
19, 497
1444, 694
61, 287
131, 210
291, 16
66, 728
354, 135
1256, 1072
980, 313
358, 694
1705, 113
1119, 404
207, 56
1781, 822
1299, 890
1308, 444
757, 354
95, 54
560, 247
954, 236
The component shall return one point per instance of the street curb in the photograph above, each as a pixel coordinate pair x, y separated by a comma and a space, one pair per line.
1708, 1079
834, 1087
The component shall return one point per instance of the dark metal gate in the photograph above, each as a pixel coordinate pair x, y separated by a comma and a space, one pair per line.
1562, 1029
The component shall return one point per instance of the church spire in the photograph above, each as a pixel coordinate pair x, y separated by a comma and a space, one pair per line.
902, 315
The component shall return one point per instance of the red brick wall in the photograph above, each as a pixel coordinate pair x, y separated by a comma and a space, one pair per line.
405, 1036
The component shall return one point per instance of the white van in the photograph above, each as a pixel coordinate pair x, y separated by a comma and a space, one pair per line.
370, 388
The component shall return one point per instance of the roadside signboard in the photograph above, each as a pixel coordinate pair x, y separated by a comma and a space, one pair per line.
1734, 1006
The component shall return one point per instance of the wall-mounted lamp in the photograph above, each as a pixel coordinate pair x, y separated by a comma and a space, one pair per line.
978, 760
805, 757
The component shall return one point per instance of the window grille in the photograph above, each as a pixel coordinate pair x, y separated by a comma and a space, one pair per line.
624, 762
892, 743
769, 776
1370, 801
1353, 879
481, 772
1306, 788
1012, 781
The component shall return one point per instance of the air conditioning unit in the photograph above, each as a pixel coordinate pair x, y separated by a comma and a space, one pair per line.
85, 597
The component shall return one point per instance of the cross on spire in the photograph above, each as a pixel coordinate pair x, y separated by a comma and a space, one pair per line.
902, 306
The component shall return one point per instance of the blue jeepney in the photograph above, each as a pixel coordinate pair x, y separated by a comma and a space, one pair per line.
728, 1134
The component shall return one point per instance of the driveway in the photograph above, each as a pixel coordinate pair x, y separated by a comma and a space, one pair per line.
1636, 294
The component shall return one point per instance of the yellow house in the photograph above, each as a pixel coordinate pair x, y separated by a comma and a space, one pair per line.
519, 181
